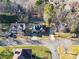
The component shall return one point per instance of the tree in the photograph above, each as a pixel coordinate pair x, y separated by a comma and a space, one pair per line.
38, 2
48, 13
72, 18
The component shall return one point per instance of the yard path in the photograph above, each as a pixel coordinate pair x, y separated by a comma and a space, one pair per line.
53, 45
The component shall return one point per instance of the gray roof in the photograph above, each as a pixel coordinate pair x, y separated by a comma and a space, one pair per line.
57, 0
2, 7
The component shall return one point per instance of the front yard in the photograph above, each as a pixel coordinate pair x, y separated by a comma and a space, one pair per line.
40, 51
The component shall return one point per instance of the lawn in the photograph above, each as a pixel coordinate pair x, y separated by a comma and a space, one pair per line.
29, 37
70, 53
39, 51
63, 35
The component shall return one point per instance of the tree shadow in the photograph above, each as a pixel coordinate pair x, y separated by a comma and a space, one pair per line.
36, 57
49, 52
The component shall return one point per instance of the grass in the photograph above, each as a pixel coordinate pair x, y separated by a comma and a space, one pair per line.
29, 37
63, 35
74, 49
72, 52
40, 51
44, 38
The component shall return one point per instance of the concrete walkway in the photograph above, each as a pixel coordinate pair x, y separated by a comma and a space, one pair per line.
53, 45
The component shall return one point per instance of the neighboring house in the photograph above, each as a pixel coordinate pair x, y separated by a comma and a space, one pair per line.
69, 4
24, 3
51, 1
73, 0
56, 1
2, 7
74, 4
17, 29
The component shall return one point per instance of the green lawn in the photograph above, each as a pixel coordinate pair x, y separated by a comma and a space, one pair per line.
40, 51
63, 35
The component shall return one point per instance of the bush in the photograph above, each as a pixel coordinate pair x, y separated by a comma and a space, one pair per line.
73, 28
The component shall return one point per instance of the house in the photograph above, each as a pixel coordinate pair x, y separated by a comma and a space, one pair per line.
24, 3
73, 6
24, 54
17, 29
56, 1
2, 7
